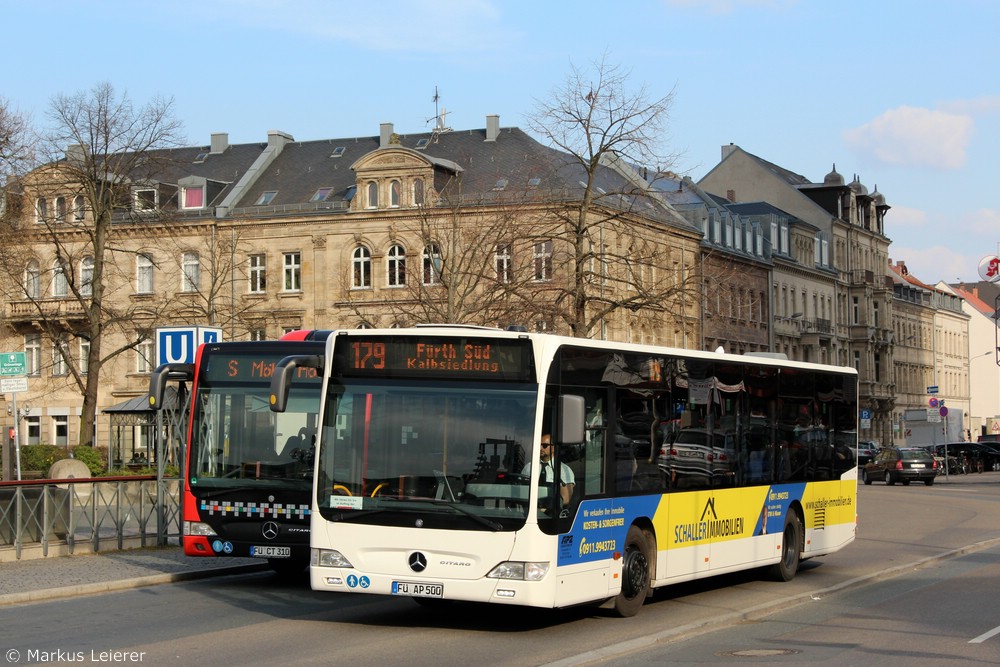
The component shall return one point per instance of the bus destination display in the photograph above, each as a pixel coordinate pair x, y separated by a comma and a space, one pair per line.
251, 368
405, 356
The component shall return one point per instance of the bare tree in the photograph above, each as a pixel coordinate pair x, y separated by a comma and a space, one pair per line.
462, 268
108, 143
609, 237
15, 143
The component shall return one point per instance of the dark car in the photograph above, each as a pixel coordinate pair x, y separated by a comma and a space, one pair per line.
966, 457
901, 464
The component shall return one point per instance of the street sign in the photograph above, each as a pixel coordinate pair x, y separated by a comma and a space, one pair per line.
866, 413
12, 364
932, 389
12, 385
179, 344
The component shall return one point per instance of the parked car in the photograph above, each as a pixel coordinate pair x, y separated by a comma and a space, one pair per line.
901, 464
865, 451
969, 456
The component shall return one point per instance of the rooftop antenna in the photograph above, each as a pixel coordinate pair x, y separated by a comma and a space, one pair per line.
439, 116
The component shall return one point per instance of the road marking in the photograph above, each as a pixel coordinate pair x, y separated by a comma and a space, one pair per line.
986, 635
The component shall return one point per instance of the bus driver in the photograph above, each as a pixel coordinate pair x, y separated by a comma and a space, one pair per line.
566, 478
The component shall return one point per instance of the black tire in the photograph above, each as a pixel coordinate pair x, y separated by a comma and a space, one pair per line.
889, 481
635, 573
929, 482
791, 549
864, 477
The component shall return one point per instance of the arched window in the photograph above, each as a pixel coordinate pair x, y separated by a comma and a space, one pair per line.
143, 274
59, 286
79, 208
372, 192
87, 276
61, 209
41, 209
432, 264
190, 272
394, 194
396, 263
418, 192
32, 280
362, 265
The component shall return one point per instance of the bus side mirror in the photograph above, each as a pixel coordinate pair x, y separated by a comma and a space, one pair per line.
179, 372
572, 420
284, 371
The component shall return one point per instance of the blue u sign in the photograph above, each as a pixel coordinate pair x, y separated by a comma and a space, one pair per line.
179, 344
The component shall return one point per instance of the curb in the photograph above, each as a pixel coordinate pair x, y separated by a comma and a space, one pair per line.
125, 584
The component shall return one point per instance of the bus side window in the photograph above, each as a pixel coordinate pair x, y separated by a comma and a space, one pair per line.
592, 461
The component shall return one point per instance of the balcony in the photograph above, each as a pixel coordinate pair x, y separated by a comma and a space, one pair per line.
49, 309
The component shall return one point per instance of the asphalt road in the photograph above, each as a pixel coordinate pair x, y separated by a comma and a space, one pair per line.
873, 598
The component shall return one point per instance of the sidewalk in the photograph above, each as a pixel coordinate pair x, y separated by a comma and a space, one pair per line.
64, 576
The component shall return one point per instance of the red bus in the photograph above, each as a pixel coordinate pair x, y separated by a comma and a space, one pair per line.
247, 475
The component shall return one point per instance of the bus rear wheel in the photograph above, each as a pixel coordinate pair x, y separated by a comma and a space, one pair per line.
791, 549
635, 573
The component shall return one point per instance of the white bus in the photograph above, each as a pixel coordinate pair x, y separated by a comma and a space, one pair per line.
666, 465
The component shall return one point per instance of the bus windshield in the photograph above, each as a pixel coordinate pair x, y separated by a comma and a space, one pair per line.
237, 441
441, 449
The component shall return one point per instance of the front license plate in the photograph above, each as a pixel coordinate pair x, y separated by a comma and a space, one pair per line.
417, 590
271, 552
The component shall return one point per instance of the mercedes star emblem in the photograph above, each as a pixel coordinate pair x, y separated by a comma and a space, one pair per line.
270, 530
418, 561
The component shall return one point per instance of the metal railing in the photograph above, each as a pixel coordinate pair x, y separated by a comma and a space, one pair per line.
90, 514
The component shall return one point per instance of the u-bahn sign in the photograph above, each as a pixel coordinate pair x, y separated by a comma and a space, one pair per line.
177, 345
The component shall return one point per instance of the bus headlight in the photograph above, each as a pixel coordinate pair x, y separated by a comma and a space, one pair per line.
197, 528
519, 570
329, 558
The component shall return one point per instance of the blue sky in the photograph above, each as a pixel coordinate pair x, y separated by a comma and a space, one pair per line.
905, 94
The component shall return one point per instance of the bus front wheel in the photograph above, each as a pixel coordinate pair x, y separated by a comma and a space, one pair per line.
635, 573
791, 549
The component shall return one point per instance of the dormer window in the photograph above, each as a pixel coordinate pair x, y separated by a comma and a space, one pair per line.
41, 209
144, 199
418, 192
193, 197
422, 143
201, 157
372, 193
337, 152
394, 194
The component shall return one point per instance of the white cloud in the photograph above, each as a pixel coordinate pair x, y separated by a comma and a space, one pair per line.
978, 106
908, 218
911, 136
934, 263
413, 26
985, 222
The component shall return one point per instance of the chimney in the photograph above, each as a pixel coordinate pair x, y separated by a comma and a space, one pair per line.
278, 139
76, 153
728, 150
492, 127
384, 133
731, 195
220, 142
